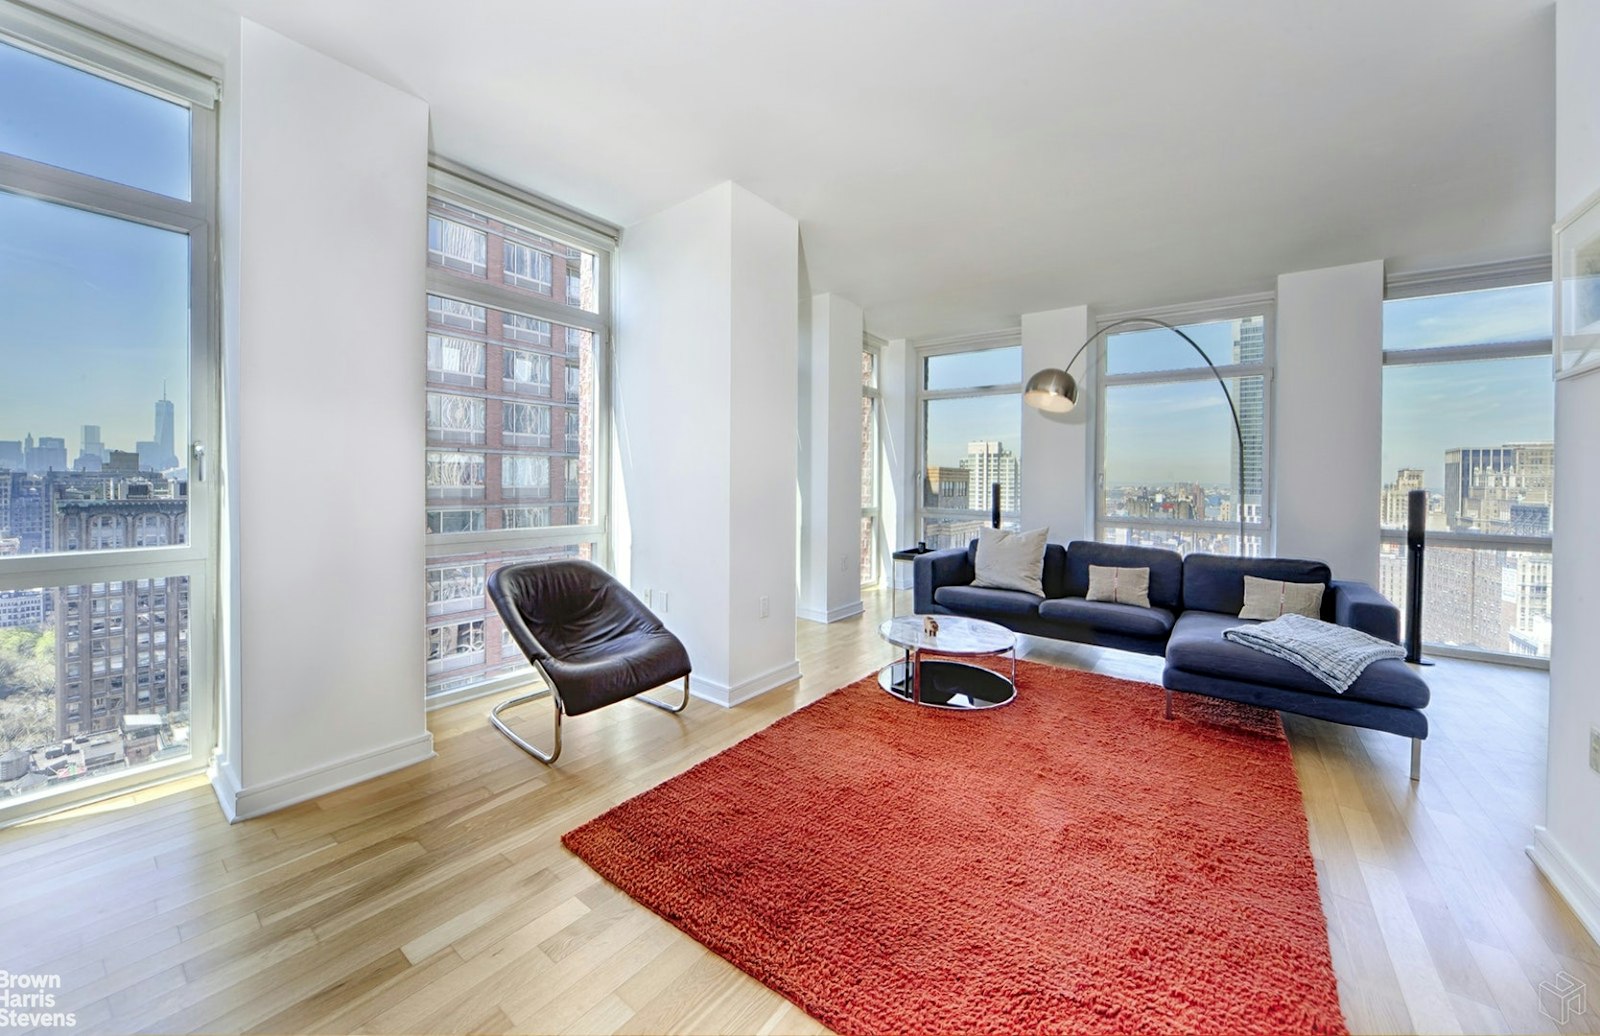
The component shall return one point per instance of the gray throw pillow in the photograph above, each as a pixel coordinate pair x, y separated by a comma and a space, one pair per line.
1011, 560
1270, 598
1119, 585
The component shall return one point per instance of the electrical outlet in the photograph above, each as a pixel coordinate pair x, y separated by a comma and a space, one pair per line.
766, 607
1594, 749
844, 564
646, 595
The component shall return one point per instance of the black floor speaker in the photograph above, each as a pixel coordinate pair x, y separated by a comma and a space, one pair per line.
1416, 547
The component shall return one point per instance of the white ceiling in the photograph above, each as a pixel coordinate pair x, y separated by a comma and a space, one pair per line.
954, 164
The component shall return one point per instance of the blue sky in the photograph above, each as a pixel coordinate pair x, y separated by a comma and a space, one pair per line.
94, 311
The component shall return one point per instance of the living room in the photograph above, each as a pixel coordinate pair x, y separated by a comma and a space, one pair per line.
734, 358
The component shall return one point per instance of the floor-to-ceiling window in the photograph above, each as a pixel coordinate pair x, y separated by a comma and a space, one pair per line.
1169, 456
108, 391
516, 346
969, 426
871, 475
1469, 419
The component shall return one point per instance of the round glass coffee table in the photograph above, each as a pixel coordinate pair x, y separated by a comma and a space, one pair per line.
940, 681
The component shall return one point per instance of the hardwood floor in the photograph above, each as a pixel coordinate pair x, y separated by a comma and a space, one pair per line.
438, 899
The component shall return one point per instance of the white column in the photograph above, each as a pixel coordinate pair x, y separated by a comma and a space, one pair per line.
324, 587
830, 460
706, 407
1567, 846
1057, 449
1328, 432
902, 470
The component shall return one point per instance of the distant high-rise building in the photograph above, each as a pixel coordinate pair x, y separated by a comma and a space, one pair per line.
92, 453
1498, 488
164, 432
1250, 347
947, 488
11, 455
1394, 502
49, 454
986, 463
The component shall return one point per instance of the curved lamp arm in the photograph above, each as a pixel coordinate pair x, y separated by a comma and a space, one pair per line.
1238, 430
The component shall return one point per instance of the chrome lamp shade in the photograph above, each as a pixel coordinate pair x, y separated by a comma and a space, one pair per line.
1053, 390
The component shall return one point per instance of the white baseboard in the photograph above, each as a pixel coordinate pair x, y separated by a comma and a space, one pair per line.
243, 803
739, 693
843, 611
226, 786
1576, 888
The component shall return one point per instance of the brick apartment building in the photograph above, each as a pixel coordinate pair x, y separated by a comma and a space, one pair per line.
509, 424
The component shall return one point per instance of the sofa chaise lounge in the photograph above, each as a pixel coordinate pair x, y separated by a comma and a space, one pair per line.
1193, 600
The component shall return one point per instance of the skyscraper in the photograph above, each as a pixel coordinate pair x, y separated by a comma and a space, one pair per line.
1250, 347
92, 452
987, 463
1394, 503
164, 434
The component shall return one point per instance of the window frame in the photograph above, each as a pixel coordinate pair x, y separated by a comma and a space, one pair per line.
1011, 339
1508, 275
197, 556
874, 510
1243, 307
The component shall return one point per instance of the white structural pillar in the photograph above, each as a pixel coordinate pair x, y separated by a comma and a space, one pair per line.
706, 407
1057, 464
902, 471
323, 683
1327, 443
830, 459
1567, 846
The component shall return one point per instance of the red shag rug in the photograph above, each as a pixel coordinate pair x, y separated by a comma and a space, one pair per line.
1071, 862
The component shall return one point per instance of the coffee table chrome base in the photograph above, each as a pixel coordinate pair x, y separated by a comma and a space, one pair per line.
957, 686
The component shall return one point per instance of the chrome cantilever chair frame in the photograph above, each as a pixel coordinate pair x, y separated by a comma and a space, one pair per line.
550, 691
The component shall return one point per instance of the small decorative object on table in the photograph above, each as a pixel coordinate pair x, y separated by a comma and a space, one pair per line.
930, 626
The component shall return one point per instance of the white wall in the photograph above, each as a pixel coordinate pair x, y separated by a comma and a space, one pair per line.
1327, 403
1057, 465
1567, 847
324, 175
706, 412
830, 459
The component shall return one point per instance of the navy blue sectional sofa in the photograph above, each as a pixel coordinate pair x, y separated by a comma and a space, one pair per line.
1193, 599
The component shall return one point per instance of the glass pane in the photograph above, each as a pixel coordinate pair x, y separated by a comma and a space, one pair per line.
1184, 541
869, 452
940, 533
1171, 453
481, 248
94, 350
1158, 349
521, 393
1479, 436
65, 117
971, 444
1487, 600
467, 643
1517, 314
980, 369
869, 550
94, 680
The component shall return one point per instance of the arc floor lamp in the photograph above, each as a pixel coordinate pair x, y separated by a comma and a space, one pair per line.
1055, 391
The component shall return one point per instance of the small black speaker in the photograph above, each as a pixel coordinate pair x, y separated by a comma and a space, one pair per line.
994, 504
1416, 543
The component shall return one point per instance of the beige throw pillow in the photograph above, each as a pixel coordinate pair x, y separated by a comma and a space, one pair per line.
1011, 560
1270, 598
1119, 585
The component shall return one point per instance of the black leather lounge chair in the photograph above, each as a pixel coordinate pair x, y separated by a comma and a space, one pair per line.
592, 641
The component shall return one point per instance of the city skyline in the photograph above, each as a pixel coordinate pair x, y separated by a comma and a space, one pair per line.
162, 442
